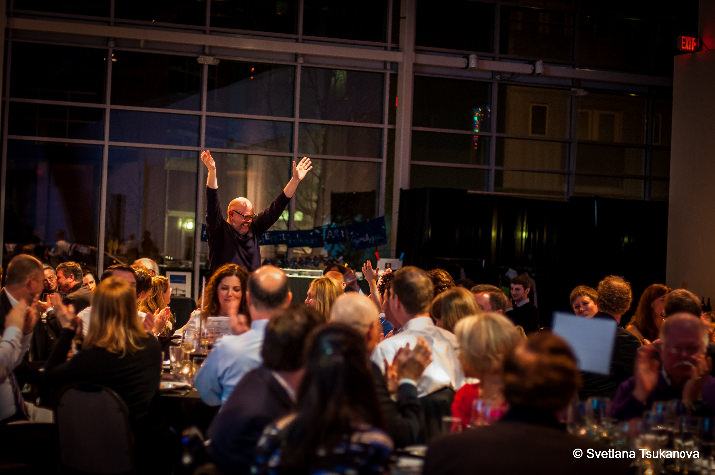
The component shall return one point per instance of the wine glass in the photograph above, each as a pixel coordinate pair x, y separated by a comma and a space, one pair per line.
190, 343
576, 418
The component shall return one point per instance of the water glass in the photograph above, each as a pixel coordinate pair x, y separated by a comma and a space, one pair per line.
451, 425
598, 410
484, 413
576, 418
706, 444
686, 438
176, 356
186, 369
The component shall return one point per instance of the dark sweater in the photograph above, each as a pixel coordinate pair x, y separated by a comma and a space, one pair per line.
134, 377
226, 245
257, 400
625, 349
527, 316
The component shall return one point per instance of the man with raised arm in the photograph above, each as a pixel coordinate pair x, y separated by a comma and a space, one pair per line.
235, 239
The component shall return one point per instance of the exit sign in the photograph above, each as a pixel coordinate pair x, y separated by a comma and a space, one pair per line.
687, 43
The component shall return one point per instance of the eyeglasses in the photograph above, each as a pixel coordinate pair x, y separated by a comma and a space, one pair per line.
247, 217
689, 350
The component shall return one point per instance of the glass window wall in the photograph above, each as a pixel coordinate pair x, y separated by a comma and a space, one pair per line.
151, 206
341, 95
58, 73
46, 120
240, 87
170, 82
52, 189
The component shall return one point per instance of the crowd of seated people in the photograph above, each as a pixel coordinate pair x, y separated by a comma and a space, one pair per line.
343, 380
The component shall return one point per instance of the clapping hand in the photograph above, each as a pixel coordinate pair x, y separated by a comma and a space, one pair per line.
369, 272
411, 362
161, 320
646, 370
408, 363
155, 323
693, 389
65, 313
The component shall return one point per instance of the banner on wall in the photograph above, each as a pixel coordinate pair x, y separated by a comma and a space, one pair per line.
335, 234
310, 238
361, 235
368, 234
273, 237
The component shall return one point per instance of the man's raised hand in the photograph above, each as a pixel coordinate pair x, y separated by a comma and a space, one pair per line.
208, 160
302, 169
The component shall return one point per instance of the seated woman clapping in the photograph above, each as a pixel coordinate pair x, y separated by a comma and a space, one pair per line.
156, 301
337, 428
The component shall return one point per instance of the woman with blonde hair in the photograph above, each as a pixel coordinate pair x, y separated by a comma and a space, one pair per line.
452, 305
484, 340
322, 292
118, 352
157, 300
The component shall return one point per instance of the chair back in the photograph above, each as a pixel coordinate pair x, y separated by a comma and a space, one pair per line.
94, 432
182, 308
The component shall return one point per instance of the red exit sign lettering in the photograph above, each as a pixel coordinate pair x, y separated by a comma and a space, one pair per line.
687, 43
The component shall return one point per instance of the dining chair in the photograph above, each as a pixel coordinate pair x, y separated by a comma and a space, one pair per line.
94, 432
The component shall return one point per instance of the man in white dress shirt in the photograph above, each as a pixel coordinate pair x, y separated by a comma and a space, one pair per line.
407, 309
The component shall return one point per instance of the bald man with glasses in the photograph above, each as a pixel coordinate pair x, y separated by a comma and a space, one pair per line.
235, 239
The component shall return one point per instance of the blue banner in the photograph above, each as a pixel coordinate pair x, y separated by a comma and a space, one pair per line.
368, 234
309, 238
361, 235
335, 235
273, 237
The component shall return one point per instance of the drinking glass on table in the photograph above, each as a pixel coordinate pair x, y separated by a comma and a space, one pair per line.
208, 338
597, 410
485, 412
647, 441
576, 417
176, 356
706, 444
599, 423
191, 342
451, 425
687, 438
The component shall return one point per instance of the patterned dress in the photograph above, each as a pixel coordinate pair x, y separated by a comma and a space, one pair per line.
365, 450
